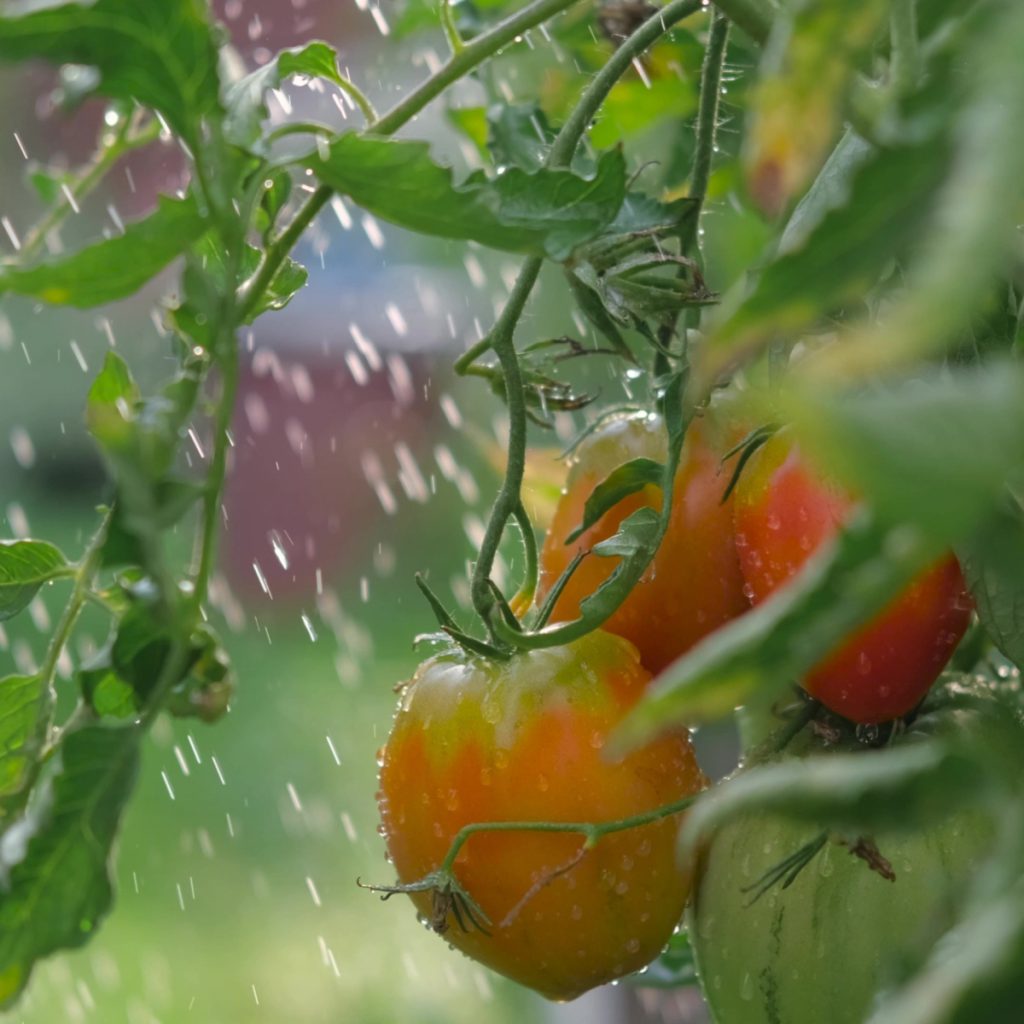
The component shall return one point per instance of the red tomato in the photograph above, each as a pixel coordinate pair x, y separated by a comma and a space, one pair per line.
694, 583
479, 741
783, 512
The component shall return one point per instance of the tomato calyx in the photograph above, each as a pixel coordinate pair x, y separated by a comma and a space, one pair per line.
448, 899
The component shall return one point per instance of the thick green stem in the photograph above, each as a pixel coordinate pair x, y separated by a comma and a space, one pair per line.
905, 60
508, 499
501, 339
707, 125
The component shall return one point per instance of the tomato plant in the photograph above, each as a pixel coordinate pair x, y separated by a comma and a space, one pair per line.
784, 511
846, 255
665, 614
479, 742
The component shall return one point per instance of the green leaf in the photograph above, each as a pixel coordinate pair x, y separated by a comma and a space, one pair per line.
635, 106
115, 268
20, 701
544, 213
161, 53
839, 589
889, 196
973, 974
25, 565
622, 481
519, 135
903, 788
472, 123
55, 861
291, 276
243, 100
971, 239
900, 445
830, 190
797, 105
993, 564
107, 693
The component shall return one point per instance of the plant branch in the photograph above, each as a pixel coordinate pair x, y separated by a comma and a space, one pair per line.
592, 831
707, 126
460, 64
113, 145
905, 62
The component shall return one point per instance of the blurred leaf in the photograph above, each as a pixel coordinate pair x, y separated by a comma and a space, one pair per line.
549, 212
974, 231
830, 190
20, 702
107, 694
243, 100
839, 588
975, 973
159, 52
635, 106
934, 451
55, 861
810, 58
903, 788
277, 189
993, 564
624, 480
674, 968
840, 258
519, 135
25, 565
115, 268
291, 276
472, 123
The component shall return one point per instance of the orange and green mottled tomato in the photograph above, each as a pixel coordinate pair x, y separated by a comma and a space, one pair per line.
480, 741
783, 512
694, 584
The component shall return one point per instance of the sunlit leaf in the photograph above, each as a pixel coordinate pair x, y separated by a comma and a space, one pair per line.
114, 268
56, 860
20, 703
624, 480
159, 52
244, 100
25, 565
547, 212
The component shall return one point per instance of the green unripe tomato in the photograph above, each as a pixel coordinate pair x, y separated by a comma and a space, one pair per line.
822, 949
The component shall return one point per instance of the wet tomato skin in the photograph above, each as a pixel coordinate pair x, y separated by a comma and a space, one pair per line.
694, 583
478, 741
783, 512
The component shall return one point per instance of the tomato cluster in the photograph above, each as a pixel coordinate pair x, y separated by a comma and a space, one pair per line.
514, 746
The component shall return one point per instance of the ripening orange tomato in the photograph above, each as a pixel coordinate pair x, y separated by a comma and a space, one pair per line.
694, 583
784, 511
521, 740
